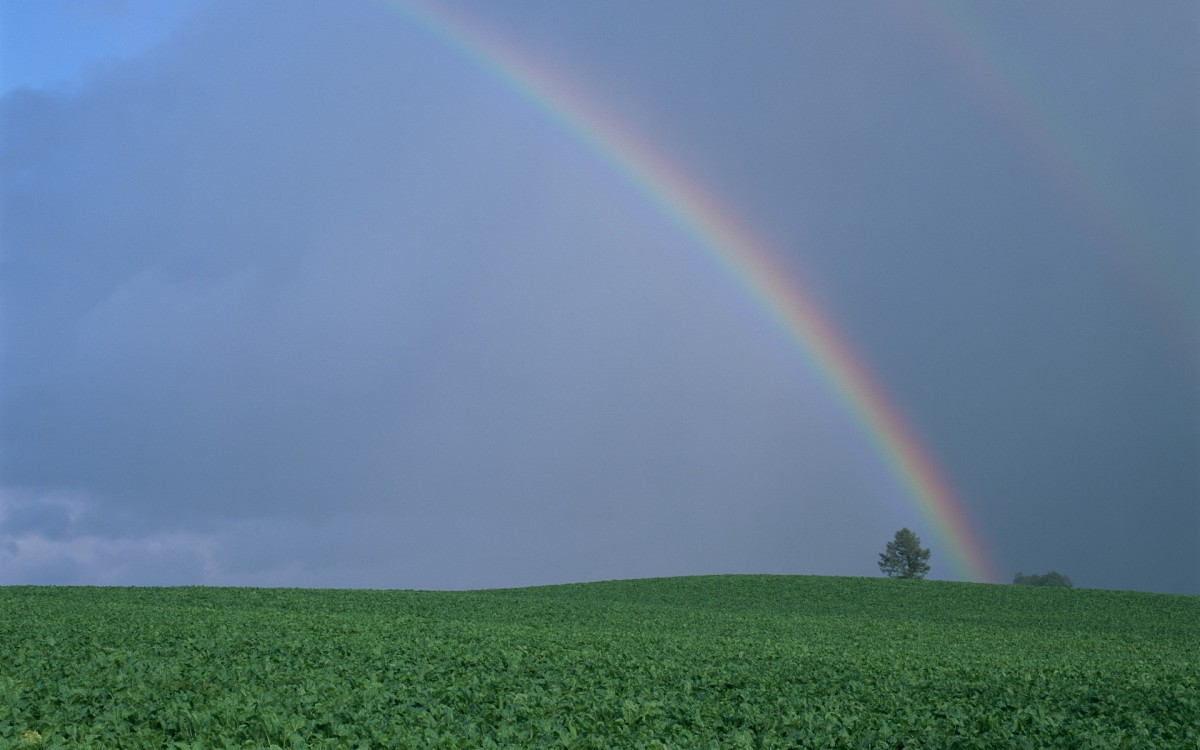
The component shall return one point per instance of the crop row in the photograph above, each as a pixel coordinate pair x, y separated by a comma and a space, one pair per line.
716, 662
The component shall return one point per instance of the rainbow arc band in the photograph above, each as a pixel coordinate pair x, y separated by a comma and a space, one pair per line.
1124, 235
741, 256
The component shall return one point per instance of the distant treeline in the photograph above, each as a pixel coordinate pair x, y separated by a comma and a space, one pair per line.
1053, 578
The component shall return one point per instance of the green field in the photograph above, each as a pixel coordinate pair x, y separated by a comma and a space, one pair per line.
707, 662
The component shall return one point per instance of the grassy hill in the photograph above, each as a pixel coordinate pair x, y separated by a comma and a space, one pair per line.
719, 661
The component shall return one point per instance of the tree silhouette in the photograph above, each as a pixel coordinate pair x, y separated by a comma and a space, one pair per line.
904, 557
1053, 578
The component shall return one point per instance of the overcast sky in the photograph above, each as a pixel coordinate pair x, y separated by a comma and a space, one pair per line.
297, 293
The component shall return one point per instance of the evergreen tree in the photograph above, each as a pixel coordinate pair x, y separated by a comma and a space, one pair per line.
904, 557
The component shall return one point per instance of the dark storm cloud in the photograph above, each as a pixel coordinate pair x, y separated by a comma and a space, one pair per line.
303, 297
283, 304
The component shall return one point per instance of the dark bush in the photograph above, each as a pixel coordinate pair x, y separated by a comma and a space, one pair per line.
1053, 578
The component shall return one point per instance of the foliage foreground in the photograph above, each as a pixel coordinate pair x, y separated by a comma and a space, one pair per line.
725, 661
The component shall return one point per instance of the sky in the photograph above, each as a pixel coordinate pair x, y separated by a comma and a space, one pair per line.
357, 294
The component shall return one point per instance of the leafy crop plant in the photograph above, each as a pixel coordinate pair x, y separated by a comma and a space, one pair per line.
707, 662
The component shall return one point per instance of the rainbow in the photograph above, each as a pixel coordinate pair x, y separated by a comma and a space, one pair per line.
1131, 243
735, 249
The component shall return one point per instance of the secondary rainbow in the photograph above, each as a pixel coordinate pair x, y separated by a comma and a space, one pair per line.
1124, 235
744, 257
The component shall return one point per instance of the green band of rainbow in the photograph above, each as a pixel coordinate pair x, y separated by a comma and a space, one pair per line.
734, 248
